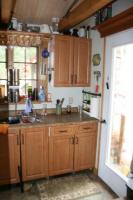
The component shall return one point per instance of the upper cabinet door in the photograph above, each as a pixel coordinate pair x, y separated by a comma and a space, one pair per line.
82, 55
63, 60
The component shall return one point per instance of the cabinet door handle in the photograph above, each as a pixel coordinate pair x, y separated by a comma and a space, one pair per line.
18, 140
49, 131
22, 138
72, 140
75, 78
76, 140
71, 78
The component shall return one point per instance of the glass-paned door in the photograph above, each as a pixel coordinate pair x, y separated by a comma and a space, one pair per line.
121, 146
116, 146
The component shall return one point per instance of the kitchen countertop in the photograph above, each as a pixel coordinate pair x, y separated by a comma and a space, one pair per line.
53, 119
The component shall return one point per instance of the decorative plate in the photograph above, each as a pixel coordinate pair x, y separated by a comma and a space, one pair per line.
96, 59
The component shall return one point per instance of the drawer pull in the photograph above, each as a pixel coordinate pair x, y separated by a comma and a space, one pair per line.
86, 128
63, 131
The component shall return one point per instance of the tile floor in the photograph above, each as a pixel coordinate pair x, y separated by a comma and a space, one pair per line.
32, 194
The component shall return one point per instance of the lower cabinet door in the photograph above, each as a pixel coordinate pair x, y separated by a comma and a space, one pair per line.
85, 150
34, 151
61, 154
9, 158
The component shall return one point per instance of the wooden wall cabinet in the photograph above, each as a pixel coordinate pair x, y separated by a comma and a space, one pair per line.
71, 61
9, 157
72, 148
34, 151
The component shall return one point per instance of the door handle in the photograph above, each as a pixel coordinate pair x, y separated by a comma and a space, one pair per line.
103, 121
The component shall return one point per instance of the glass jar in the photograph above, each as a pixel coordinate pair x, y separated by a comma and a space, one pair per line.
58, 109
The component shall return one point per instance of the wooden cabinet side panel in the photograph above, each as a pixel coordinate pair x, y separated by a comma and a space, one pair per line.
9, 159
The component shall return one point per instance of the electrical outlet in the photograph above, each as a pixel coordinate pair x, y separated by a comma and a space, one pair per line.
70, 100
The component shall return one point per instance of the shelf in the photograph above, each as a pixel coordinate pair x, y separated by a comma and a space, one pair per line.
118, 23
91, 93
9, 32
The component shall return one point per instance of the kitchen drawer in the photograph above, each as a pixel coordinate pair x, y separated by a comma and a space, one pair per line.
13, 130
28, 130
89, 127
62, 130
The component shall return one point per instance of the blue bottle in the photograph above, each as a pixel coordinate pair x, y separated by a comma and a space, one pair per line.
41, 94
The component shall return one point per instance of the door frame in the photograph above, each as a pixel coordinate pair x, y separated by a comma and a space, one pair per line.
114, 180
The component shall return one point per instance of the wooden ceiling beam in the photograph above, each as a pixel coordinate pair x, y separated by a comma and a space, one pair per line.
7, 7
86, 9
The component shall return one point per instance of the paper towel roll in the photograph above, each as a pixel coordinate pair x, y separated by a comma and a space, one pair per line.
94, 107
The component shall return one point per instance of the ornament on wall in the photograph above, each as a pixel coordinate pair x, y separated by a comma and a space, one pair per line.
96, 59
45, 53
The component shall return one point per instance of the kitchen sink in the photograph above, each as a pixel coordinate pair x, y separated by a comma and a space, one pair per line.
30, 119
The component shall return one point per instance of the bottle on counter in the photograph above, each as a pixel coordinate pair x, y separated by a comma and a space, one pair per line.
41, 94
30, 92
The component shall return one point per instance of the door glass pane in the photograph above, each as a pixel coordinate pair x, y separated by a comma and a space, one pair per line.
2, 53
3, 71
31, 54
19, 54
121, 144
31, 72
22, 69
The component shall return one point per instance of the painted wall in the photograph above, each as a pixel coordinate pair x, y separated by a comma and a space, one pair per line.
97, 48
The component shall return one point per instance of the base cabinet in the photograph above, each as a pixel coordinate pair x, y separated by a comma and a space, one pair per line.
85, 146
34, 152
9, 157
72, 148
46, 151
61, 150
